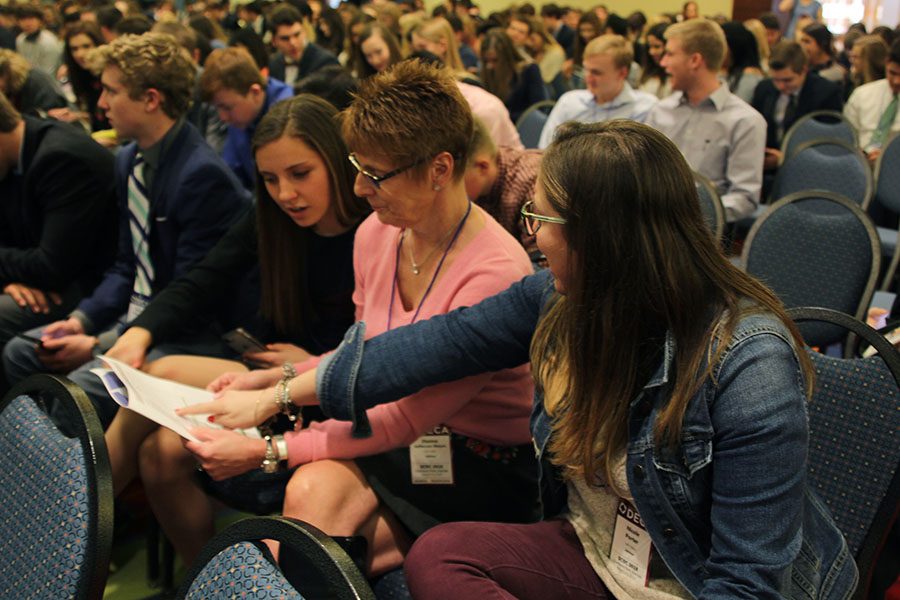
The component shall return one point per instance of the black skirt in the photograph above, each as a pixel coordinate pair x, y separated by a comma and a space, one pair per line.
491, 483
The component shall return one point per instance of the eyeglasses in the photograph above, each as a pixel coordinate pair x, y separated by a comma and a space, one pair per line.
377, 180
533, 221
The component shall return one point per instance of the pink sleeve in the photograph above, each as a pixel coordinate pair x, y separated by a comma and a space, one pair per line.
394, 425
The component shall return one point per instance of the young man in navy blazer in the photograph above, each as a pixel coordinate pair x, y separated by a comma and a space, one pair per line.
790, 92
176, 199
297, 57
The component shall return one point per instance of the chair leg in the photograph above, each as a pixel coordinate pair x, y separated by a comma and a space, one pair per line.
153, 553
168, 565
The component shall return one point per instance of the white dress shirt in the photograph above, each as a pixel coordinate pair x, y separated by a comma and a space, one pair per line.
723, 138
865, 107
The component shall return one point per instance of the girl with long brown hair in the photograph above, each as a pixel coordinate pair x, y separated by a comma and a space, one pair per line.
509, 75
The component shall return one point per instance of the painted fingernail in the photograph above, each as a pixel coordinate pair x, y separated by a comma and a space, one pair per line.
211, 418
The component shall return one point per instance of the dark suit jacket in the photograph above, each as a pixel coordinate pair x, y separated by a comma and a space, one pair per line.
565, 36
7, 39
194, 199
58, 219
816, 94
313, 58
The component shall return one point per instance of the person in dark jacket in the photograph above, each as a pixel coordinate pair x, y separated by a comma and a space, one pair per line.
56, 185
297, 57
790, 92
176, 199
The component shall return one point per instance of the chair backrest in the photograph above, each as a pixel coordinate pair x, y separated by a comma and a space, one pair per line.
56, 494
820, 124
710, 205
232, 561
887, 175
816, 249
391, 586
854, 446
558, 87
531, 122
829, 165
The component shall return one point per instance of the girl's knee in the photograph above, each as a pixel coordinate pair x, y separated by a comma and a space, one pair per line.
162, 458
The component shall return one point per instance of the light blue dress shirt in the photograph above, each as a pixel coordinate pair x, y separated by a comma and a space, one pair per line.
580, 105
723, 138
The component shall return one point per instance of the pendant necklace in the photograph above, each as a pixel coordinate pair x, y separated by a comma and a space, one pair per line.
456, 231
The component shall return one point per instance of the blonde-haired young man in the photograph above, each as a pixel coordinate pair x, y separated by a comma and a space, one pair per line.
720, 135
607, 61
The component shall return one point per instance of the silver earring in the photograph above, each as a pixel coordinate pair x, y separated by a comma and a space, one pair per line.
436, 187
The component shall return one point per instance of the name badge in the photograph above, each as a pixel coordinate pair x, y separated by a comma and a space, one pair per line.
631, 545
431, 458
137, 305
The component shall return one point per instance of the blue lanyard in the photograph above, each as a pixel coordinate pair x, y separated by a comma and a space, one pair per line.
433, 277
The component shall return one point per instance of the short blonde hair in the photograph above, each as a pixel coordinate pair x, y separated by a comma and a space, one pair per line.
703, 37
150, 61
14, 69
615, 46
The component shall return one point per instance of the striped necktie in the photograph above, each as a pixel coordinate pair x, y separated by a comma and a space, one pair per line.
884, 124
139, 220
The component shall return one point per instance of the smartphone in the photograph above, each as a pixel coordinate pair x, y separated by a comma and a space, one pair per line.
240, 341
30, 338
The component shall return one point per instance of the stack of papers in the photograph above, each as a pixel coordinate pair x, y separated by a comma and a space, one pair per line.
157, 399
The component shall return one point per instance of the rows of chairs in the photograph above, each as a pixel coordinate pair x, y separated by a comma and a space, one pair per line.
57, 493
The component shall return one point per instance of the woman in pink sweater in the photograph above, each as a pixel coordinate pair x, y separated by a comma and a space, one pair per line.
457, 451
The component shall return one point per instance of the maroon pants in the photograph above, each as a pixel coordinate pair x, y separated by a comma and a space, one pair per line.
498, 561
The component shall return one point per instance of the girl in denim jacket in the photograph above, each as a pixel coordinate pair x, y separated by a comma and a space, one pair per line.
670, 400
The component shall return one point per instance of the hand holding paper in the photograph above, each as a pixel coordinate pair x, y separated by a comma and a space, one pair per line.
236, 409
156, 399
223, 454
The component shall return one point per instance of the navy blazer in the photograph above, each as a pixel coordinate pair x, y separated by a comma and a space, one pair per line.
194, 199
313, 58
817, 93
565, 37
58, 219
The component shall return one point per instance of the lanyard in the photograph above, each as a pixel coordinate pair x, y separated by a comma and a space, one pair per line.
433, 277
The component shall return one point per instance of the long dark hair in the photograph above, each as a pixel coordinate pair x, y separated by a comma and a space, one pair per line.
283, 246
84, 83
360, 65
580, 44
652, 69
742, 49
503, 77
641, 263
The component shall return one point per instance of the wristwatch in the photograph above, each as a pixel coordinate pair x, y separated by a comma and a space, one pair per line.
270, 462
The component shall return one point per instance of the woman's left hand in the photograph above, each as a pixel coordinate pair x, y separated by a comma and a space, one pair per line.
277, 354
236, 409
224, 454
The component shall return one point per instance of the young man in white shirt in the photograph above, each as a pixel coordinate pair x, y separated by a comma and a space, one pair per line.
872, 108
720, 135
607, 60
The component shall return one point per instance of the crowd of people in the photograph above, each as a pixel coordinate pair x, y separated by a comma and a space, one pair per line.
512, 371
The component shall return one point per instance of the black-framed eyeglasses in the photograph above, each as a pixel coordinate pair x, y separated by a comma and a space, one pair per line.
377, 180
533, 220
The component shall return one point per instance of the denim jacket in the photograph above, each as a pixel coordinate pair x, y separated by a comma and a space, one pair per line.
727, 509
